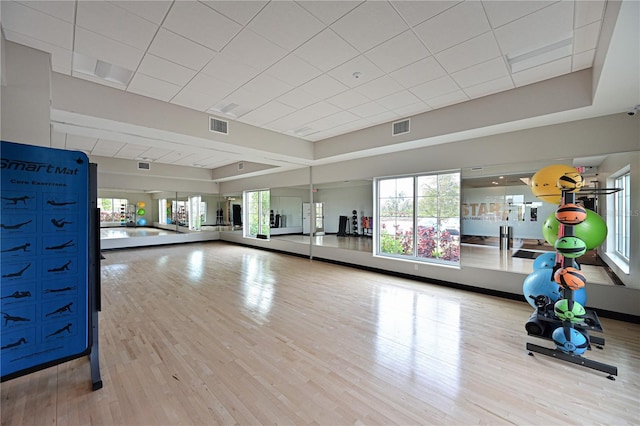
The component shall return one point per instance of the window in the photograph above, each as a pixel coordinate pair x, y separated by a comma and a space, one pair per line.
622, 215
257, 213
112, 209
429, 204
164, 211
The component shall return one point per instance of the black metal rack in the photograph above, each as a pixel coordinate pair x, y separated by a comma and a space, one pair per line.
590, 323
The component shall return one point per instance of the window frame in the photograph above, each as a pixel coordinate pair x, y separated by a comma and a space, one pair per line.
407, 239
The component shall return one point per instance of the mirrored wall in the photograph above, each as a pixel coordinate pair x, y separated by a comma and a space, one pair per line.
493, 197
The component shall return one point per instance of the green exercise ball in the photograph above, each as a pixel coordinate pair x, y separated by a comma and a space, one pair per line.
593, 230
141, 212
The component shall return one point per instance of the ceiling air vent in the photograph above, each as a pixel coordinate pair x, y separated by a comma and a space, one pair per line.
144, 166
218, 126
241, 165
400, 127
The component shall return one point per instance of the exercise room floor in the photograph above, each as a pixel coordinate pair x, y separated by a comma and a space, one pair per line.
217, 333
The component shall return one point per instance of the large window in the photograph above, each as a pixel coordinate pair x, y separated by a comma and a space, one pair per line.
419, 217
622, 215
112, 209
256, 207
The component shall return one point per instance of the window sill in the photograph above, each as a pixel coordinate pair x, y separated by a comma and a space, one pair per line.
621, 263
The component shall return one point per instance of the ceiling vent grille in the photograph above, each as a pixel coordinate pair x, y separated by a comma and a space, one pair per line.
218, 126
144, 166
401, 127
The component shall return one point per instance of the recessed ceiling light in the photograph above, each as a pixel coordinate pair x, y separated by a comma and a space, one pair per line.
542, 55
96, 68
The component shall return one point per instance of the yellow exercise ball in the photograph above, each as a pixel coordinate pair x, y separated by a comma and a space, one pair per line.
141, 204
544, 183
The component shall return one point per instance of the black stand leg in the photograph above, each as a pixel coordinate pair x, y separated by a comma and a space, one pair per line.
574, 359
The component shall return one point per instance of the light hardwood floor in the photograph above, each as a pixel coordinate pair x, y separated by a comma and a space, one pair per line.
214, 333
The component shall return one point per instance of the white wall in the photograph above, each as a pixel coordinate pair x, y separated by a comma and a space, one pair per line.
26, 95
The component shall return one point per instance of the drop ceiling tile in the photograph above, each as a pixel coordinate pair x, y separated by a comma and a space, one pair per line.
268, 112
60, 57
202, 92
348, 99
189, 159
83, 143
471, 52
227, 108
416, 12
588, 12
379, 88
435, 88
418, 73
503, 12
115, 23
398, 100
324, 87
586, 38
153, 11
542, 72
252, 49
345, 73
95, 79
329, 11
267, 86
229, 70
444, 30
107, 148
384, 117
547, 26
130, 151
153, 154
489, 87
326, 51
240, 11
293, 70
111, 51
168, 71
201, 24
369, 109
583, 60
180, 50
413, 109
172, 157
449, 99
298, 98
302, 116
33, 23
151, 87
252, 95
64, 10
369, 24
286, 24
398, 52
330, 121
481, 73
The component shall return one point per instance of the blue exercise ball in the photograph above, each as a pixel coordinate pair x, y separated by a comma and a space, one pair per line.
545, 261
142, 221
570, 341
539, 284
